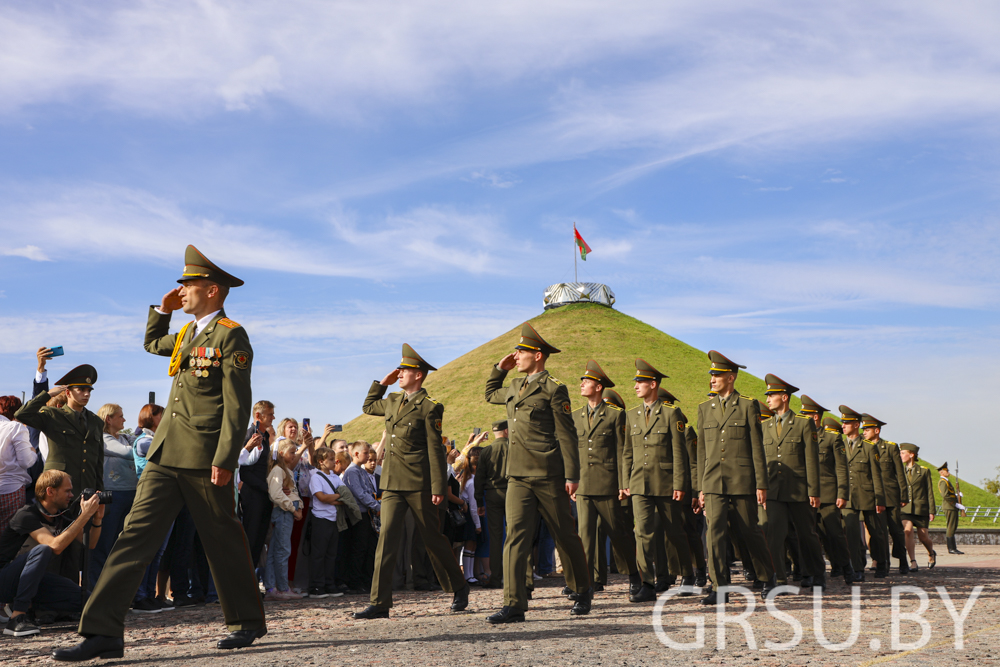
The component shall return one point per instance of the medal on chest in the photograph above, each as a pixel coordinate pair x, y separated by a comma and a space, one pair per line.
203, 359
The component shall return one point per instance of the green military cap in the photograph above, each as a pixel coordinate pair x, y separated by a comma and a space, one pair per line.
831, 424
848, 415
665, 395
500, 425
722, 364
811, 407
909, 446
81, 376
413, 360
775, 385
533, 342
595, 373
611, 396
867, 421
943, 466
645, 371
196, 265
765, 412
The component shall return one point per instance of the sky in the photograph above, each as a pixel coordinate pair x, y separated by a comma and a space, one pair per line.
811, 189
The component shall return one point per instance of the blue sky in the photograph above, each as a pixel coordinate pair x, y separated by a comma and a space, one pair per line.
811, 190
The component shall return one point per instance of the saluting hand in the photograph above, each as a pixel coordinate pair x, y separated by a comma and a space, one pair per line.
171, 301
55, 391
390, 379
507, 362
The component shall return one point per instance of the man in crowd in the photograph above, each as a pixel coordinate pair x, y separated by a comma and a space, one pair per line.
543, 471
491, 496
866, 498
24, 579
603, 477
254, 499
894, 485
413, 476
657, 476
793, 485
190, 462
732, 476
950, 506
833, 489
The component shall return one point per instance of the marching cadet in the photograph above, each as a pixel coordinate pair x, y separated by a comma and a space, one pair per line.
612, 397
894, 485
656, 462
190, 462
601, 427
491, 495
732, 476
833, 489
694, 522
413, 476
949, 505
921, 510
543, 471
866, 498
793, 485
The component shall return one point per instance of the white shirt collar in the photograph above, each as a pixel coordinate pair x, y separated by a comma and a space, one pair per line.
203, 322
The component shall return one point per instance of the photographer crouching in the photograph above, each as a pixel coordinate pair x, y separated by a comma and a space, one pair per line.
24, 579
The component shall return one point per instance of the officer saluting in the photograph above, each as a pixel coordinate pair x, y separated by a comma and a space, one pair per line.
190, 462
543, 470
414, 476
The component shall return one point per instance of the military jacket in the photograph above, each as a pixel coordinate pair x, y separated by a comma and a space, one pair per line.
893, 476
543, 438
655, 454
74, 448
921, 488
864, 476
205, 419
489, 472
792, 459
601, 442
731, 456
948, 495
833, 484
415, 458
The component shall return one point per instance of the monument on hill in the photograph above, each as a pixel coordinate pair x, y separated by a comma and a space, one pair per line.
562, 294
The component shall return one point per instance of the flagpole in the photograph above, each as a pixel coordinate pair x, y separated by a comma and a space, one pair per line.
576, 279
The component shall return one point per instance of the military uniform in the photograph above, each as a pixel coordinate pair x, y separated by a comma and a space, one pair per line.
414, 469
601, 432
731, 468
949, 500
491, 493
203, 426
920, 485
865, 493
790, 446
894, 485
76, 439
543, 455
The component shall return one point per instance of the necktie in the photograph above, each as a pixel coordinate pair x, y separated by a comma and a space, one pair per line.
779, 426
648, 410
402, 404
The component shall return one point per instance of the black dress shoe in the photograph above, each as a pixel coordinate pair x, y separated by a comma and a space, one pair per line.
646, 593
881, 574
664, 584
506, 615
582, 606
371, 611
184, 601
634, 583
713, 598
687, 583
771, 584
241, 638
569, 592
461, 598
836, 571
904, 567
849, 575
598, 587
807, 581
859, 577
701, 577
819, 582
97, 646
758, 584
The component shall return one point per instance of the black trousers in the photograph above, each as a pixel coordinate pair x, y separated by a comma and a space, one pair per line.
361, 554
323, 554
257, 508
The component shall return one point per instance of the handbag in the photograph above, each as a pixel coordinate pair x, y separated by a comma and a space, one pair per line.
456, 517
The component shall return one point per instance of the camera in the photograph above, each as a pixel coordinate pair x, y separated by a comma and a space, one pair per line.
104, 496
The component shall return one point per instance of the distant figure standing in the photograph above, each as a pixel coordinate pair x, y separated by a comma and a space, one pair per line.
949, 505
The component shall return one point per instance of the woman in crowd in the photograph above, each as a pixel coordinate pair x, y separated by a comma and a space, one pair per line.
288, 428
119, 478
16, 456
473, 528
148, 598
287, 508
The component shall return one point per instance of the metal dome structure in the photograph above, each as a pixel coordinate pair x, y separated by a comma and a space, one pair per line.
562, 294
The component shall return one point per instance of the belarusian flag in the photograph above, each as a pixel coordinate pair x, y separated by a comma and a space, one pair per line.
584, 248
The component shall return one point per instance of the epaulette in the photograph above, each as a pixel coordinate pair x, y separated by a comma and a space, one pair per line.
707, 400
890, 442
804, 417
555, 380
668, 404
228, 323
749, 398
614, 407
868, 441
433, 401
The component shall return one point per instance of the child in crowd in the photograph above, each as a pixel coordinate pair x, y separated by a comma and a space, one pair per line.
287, 509
363, 539
324, 485
473, 528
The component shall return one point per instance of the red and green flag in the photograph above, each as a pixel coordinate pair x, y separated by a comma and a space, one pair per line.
581, 244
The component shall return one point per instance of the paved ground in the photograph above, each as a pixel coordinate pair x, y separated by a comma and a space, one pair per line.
422, 631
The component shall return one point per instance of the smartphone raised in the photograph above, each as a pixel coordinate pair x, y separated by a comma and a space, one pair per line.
305, 423
477, 431
56, 351
338, 427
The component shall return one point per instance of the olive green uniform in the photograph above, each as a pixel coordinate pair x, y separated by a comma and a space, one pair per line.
896, 493
731, 468
865, 492
602, 474
920, 485
204, 425
790, 445
833, 486
656, 462
948, 500
414, 468
76, 440
543, 454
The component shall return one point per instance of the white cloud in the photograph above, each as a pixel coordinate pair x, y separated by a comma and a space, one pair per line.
31, 252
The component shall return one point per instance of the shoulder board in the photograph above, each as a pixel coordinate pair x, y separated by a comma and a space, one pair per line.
613, 407
869, 442
890, 442
709, 400
432, 400
668, 404
804, 417
555, 380
228, 323
749, 398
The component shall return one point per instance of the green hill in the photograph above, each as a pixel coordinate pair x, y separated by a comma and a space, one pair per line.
582, 331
